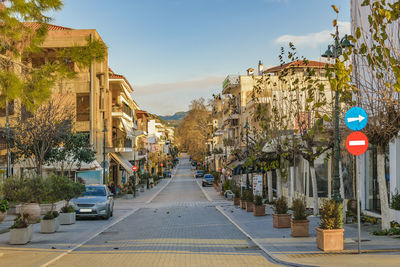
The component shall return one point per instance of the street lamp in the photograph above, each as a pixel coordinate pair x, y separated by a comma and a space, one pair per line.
247, 153
335, 51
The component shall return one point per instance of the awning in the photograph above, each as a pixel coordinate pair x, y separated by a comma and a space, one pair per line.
128, 129
123, 162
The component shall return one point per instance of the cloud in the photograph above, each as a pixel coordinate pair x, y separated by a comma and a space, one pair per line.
314, 40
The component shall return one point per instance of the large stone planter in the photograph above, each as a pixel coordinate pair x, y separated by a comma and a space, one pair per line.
259, 210
33, 212
21, 236
67, 218
249, 206
242, 204
299, 228
281, 220
330, 240
49, 226
236, 201
2, 216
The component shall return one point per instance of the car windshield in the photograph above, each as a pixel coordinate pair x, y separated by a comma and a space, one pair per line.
209, 176
199, 171
95, 191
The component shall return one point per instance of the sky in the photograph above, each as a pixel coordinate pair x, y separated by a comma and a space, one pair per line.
174, 51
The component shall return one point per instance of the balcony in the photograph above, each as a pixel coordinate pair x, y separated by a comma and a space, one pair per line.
121, 145
232, 81
121, 112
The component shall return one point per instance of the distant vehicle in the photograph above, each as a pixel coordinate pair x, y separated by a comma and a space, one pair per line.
167, 174
207, 180
97, 201
194, 163
199, 173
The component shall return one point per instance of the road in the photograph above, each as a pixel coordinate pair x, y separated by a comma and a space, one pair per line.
177, 228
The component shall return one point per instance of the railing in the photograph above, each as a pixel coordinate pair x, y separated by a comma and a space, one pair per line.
122, 143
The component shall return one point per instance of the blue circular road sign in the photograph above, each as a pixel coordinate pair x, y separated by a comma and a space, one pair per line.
356, 118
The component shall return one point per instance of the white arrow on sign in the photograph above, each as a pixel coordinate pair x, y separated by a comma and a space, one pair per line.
357, 143
359, 119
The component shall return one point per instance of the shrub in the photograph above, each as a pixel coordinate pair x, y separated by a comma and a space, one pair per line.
48, 216
249, 196
236, 191
331, 215
3, 205
395, 201
227, 185
299, 210
281, 206
20, 222
67, 209
258, 200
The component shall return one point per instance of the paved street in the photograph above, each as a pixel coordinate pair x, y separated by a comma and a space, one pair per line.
179, 227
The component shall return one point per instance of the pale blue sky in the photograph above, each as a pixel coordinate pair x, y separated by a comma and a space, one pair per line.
173, 51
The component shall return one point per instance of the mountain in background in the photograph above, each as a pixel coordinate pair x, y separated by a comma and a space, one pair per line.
175, 119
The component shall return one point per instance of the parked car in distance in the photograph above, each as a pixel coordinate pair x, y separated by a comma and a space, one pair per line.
199, 173
167, 174
97, 201
207, 180
194, 163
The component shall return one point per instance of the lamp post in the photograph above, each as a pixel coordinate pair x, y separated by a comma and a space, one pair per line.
247, 152
335, 51
104, 153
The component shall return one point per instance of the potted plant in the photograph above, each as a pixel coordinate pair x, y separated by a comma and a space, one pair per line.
32, 209
249, 201
20, 231
351, 210
71, 190
17, 189
330, 232
236, 198
3, 209
259, 207
281, 219
242, 201
299, 223
50, 222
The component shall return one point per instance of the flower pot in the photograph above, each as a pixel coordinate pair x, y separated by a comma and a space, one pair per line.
249, 206
259, 210
49, 226
20, 236
330, 240
281, 220
3, 216
236, 201
242, 204
67, 218
299, 228
33, 212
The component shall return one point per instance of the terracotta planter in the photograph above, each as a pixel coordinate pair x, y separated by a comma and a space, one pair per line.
249, 206
259, 210
281, 220
236, 201
33, 211
21, 236
299, 228
2, 216
242, 204
330, 240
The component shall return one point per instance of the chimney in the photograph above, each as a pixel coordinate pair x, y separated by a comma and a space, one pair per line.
250, 71
260, 68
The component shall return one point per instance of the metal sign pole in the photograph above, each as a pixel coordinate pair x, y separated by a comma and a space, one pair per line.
358, 205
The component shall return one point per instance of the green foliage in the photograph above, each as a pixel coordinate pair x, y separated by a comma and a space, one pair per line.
299, 209
395, 201
55, 186
3, 205
247, 195
17, 189
331, 215
67, 209
228, 185
281, 206
20, 222
236, 191
51, 215
391, 231
258, 200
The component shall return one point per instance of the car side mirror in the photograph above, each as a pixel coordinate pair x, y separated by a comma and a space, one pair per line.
111, 195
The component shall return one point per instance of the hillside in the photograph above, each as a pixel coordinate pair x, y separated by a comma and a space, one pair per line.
175, 119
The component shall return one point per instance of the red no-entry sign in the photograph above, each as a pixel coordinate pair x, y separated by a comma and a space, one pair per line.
162, 164
357, 143
134, 168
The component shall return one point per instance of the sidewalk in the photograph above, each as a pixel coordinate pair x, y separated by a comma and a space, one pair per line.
45, 247
278, 243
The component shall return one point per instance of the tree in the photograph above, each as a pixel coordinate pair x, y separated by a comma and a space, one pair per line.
38, 133
194, 131
377, 78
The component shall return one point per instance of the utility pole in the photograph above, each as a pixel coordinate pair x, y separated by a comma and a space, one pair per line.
247, 153
8, 173
104, 153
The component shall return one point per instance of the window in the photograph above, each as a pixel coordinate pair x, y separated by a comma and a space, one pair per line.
82, 107
126, 109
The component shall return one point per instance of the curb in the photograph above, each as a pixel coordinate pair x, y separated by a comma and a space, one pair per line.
159, 191
272, 258
204, 192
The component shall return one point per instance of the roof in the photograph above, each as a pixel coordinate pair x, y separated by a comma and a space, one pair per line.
142, 112
50, 27
298, 64
113, 75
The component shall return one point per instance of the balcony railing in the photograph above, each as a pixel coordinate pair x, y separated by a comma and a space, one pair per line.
122, 143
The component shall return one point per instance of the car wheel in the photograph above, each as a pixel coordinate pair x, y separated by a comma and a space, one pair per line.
107, 216
203, 185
